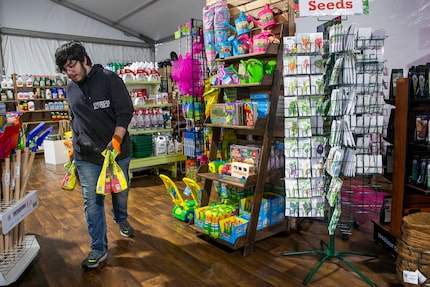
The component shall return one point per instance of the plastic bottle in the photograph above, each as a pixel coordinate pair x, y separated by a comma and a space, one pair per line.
19, 81
31, 106
146, 120
9, 82
170, 145
42, 81
154, 120
167, 120
48, 94
29, 81
160, 118
4, 82
36, 81
133, 122
140, 123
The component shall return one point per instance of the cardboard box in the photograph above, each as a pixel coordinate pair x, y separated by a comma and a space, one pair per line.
246, 154
245, 208
55, 152
199, 216
276, 217
276, 202
232, 228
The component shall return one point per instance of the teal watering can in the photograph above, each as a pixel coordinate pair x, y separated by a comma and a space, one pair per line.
224, 49
240, 45
241, 25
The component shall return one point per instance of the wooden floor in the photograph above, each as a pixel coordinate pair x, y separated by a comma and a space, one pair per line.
166, 252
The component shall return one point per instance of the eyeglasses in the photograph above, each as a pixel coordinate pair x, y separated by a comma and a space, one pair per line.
71, 65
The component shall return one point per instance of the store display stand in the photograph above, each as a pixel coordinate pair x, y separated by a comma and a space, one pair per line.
343, 160
330, 252
23, 255
13, 262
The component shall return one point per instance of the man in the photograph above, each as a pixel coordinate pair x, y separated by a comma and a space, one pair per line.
101, 110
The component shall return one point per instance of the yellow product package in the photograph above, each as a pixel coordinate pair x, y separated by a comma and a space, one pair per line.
101, 181
118, 180
70, 179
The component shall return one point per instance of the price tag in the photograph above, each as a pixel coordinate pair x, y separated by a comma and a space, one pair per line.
410, 277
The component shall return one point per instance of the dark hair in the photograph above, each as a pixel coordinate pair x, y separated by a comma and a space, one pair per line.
70, 51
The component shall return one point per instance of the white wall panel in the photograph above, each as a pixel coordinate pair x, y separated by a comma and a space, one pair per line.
46, 16
26, 55
407, 24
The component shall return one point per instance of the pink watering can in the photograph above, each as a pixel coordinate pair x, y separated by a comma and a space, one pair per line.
260, 42
266, 16
241, 25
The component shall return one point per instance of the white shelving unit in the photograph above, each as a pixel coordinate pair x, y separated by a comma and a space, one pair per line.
13, 262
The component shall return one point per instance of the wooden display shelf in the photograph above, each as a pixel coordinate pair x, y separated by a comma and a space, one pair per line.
42, 99
272, 51
266, 81
142, 83
38, 122
418, 189
40, 87
236, 182
44, 111
146, 106
240, 243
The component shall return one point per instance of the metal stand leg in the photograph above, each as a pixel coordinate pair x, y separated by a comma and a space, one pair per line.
330, 252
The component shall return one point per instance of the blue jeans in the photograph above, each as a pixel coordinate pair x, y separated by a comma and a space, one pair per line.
94, 203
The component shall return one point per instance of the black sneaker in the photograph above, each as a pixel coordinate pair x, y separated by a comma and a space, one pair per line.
94, 259
125, 229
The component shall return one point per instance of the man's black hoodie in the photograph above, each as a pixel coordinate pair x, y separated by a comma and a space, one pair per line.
98, 105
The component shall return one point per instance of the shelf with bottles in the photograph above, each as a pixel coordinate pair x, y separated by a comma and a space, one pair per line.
43, 105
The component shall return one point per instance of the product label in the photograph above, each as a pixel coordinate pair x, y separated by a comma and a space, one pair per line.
330, 7
21, 209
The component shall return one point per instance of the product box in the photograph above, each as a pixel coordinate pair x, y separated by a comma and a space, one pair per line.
234, 113
246, 154
276, 217
250, 113
277, 207
232, 228
218, 114
199, 216
245, 207
55, 152
230, 113
276, 202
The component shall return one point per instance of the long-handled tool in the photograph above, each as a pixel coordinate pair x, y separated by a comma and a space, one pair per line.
34, 142
9, 142
38, 142
28, 141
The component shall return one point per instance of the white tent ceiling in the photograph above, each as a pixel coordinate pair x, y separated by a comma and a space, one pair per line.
150, 20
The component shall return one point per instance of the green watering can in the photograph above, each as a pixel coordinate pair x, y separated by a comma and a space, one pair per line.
255, 70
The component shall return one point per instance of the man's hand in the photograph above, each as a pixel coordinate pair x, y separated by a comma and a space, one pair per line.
115, 144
